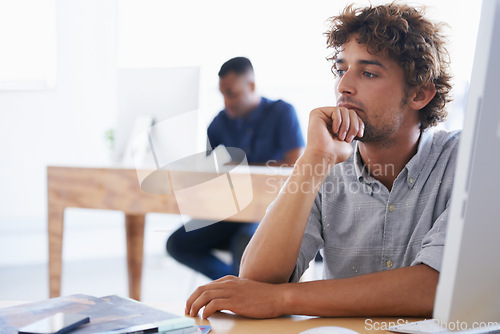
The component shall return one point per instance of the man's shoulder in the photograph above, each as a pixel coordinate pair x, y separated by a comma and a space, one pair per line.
220, 117
441, 156
445, 139
218, 124
278, 106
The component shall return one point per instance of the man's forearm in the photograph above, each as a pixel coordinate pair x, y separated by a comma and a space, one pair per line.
406, 291
272, 253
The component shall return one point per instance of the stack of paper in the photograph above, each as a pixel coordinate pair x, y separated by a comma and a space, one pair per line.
110, 314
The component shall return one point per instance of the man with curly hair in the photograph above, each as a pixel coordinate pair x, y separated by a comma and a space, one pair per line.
371, 190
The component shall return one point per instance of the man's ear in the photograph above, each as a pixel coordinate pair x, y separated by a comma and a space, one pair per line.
423, 95
252, 86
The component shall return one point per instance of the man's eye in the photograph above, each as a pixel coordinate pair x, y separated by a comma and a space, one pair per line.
338, 72
369, 75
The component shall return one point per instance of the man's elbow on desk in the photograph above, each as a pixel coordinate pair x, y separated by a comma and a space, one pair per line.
255, 273
260, 270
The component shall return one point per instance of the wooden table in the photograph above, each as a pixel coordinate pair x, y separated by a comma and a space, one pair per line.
119, 189
228, 323
223, 323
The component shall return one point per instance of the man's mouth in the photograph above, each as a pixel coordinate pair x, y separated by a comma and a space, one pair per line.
350, 106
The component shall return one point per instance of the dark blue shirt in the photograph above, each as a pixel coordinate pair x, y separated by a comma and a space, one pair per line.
267, 133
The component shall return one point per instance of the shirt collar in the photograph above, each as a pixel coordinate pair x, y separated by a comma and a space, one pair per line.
359, 167
417, 162
252, 118
256, 113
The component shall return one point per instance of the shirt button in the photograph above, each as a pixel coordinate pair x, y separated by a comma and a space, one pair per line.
388, 263
391, 208
411, 180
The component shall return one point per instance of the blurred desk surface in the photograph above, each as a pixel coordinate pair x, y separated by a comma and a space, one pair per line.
119, 189
225, 322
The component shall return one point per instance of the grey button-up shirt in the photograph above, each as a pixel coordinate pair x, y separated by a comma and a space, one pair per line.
361, 227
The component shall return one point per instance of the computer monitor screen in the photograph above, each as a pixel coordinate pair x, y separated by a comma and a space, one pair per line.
469, 282
148, 96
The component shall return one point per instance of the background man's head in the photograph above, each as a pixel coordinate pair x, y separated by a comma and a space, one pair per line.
405, 35
237, 85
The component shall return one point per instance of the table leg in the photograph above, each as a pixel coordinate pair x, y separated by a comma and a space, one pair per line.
135, 246
55, 232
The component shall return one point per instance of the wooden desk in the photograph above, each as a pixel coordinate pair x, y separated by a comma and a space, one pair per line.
118, 189
228, 323
223, 323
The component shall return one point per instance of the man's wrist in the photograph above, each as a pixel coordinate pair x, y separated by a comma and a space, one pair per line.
287, 298
314, 164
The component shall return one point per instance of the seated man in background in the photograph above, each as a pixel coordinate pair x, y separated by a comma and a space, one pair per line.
378, 208
269, 132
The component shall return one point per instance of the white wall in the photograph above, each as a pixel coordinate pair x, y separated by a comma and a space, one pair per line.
283, 38
64, 126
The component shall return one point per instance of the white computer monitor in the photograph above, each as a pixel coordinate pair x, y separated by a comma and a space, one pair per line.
148, 96
469, 282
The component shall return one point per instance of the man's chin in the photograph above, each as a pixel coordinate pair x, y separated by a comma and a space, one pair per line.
364, 139
231, 114
370, 138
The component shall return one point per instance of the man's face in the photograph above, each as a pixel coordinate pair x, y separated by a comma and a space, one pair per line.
238, 91
373, 86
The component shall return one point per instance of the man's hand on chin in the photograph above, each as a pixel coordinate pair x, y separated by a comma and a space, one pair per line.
242, 296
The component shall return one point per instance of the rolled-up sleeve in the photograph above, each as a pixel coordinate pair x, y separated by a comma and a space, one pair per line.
431, 253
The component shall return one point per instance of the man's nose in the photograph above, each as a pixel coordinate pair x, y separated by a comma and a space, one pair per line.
347, 83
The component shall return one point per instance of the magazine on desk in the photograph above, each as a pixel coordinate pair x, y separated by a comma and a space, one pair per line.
110, 314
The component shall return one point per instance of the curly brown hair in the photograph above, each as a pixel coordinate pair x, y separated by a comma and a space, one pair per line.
414, 42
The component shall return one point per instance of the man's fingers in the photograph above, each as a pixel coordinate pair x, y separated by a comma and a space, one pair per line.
336, 120
200, 290
346, 123
205, 298
196, 293
354, 126
246, 297
193, 300
208, 292
214, 306
225, 278
361, 132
